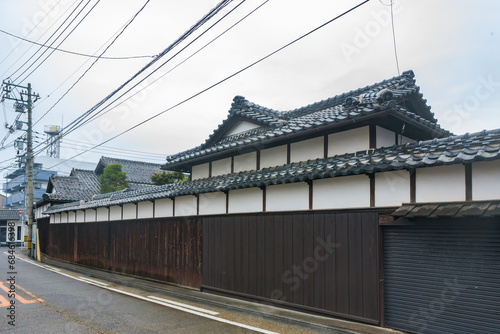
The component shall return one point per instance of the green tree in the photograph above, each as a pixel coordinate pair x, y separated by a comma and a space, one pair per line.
163, 177
113, 179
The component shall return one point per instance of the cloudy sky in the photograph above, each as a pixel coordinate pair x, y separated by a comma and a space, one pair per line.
452, 46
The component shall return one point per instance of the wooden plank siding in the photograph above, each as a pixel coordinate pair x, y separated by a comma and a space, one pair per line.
323, 262
164, 249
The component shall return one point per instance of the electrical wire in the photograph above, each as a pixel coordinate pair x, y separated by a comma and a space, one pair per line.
219, 82
69, 34
48, 39
34, 27
195, 27
95, 61
46, 31
72, 52
102, 112
393, 33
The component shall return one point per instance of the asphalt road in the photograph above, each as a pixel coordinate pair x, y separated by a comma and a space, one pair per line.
54, 300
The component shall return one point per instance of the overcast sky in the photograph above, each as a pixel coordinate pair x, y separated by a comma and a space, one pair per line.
452, 46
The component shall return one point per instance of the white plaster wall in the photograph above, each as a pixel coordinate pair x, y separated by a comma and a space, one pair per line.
186, 205
240, 127
71, 217
384, 137
341, 192
80, 216
486, 180
245, 200
52, 221
287, 197
440, 184
212, 203
57, 218
145, 209
309, 149
200, 171
102, 214
392, 188
221, 167
129, 211
90, 215
245, 162
115, 212
275, 156
164, 207
349, 141
405, 140
64, 217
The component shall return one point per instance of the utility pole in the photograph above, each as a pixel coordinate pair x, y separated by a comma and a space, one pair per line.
20, 105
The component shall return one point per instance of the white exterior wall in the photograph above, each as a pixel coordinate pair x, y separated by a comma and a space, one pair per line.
349, 141
245, 162
52, 219
486, 180
384, 137
115, 212
275, 156
145, 209
212, 203
245, 200
392, 188
71, 217
57, 218
221, 167
440, 184
241, 127
90, 215
309, 149
129, 211
80, 216
200, 171
164, 207
341, 192
287, 197
102, 214
64, 217
405, 140
186, 205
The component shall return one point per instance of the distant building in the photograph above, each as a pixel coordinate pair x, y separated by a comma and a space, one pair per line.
43, 168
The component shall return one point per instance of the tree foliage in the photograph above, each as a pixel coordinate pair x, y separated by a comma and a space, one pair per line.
113, 179
163, 177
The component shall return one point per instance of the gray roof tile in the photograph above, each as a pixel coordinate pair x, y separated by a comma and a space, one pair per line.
388, 95
479, 146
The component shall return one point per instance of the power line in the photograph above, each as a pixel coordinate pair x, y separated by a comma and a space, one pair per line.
48, 39
36, 25
221, 81
95, 61
72, 52
201, 22
72, 30
102, 112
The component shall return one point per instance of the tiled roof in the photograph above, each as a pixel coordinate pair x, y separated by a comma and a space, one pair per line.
6, 214
393, 95
137, 171
453, 210
82, 184
479, 146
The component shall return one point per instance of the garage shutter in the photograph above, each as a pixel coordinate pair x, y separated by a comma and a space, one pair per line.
442, 279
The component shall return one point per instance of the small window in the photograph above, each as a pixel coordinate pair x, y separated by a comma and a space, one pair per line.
19, 233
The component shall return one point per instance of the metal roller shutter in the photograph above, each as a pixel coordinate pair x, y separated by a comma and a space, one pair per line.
442, 279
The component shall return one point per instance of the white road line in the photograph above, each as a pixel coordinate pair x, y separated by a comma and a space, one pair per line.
167, 304
184, 305
93, 281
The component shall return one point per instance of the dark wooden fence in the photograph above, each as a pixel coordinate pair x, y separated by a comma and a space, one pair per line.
323, 262
164, 249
